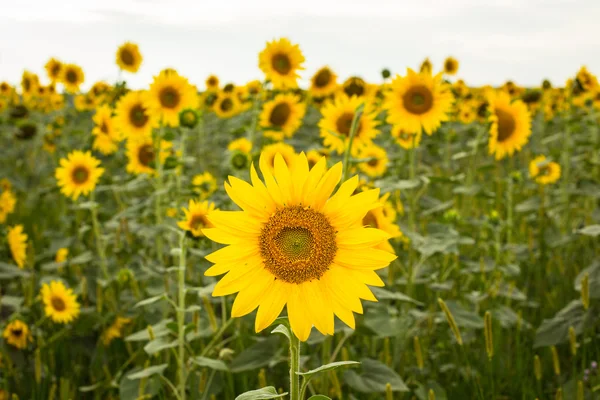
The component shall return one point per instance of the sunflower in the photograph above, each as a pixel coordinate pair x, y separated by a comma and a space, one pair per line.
384, 218
226, 105
169, 94
99, 91
586, 79
54, 70
284, 113
337, 121
280, 61
212, 83
511, 125
17, 334
356, 86
105, 133
426, 66
254, 87
323, 83
140, 153
61, 255
72, 77
242, 144
29, 83
132, 118
466, 113
543, 171
115, 330
405, 139
60, 303
129, 57
196, 217
297, 246
204, 184
268, 153
7, 204
451, 66
377, 162
78, 174
418, 102
6, 89
17, 242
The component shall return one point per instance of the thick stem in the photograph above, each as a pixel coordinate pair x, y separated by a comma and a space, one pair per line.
353, 128
294, 367
181, 317
99, 243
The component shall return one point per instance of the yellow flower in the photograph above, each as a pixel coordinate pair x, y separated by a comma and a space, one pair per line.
426, 66
511, 125
129, 57
29, 83
355, 86
105, 134
17, 242
418, 102
377, 163
205, 184
280, 61
140, 153
169, 94
61, 255
17, 334
282, 116
60, 303
543, 171
267, 157
53, 69
323, 83
405, 139
84, 102
212, 83
241, 144
451, 66
337, 121
7, 204
466, 113
296, 245
115, 330
171, 212
195, 217
132, 118
226, 105
78, 174
384, 218
72, 77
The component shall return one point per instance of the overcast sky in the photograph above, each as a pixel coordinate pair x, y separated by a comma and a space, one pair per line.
494, 40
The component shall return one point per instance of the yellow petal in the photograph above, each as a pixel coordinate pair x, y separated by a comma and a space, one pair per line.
364, 259
314, 176
238, 279
233, 253
235, 221
220, 236
248, 299
326, 186
284, 180
360, 238
318, 307
272, 304
299, 320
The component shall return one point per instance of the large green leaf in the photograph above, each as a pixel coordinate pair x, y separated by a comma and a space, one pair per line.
374, 377
327, 367
266, 393
153, 370
556, 330
217, 365
256, 356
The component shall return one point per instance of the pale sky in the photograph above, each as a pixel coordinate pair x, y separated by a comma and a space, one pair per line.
494, 40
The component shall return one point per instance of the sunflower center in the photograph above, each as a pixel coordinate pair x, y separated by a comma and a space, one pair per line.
297, 244
506, 124
449, 66
355, 88
344, 124
226, 105
544, 170
198, 221
17, 332
212, 81
418, 99
169, 97
138, 116
55, 69
127, 57
80, 175
58, 304
281, 63
373, 162
26, 84
280, 114
146, 154
104, 128
71, 76
323, 78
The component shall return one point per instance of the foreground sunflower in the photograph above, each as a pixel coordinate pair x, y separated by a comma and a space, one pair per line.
337, 122
169, 94
282, 116
60, 303
543, 171
132, 118
418, 102
17, 334
78, 174
296, 245
280, 61
72, 77
196, 217
129, 57
17, 242
511, 125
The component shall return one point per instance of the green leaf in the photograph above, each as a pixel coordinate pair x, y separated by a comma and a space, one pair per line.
327, 367
422, 391
590, 230
130, 390
556, 330
153, 370
149, 300
266, 393
156, 345
82, 258
464, 318
319, 397
374, 378
256, 356
217, 365
383, 294
283, 330
160, 329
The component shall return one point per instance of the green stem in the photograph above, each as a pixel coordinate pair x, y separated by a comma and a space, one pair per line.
294, 368
353, 128
158, 195
97, 234
181, 317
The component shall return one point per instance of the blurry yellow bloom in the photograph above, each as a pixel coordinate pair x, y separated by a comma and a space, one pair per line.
61, 254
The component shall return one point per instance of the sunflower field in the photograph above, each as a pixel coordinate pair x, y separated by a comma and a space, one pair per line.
412, 238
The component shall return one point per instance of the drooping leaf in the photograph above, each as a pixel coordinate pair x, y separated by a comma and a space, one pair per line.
374, 377
217, 365
153, 370
266, 393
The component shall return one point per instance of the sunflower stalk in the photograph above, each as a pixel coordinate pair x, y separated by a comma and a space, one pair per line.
158, 195
98, 236
294, 367
353, 128
181, 316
